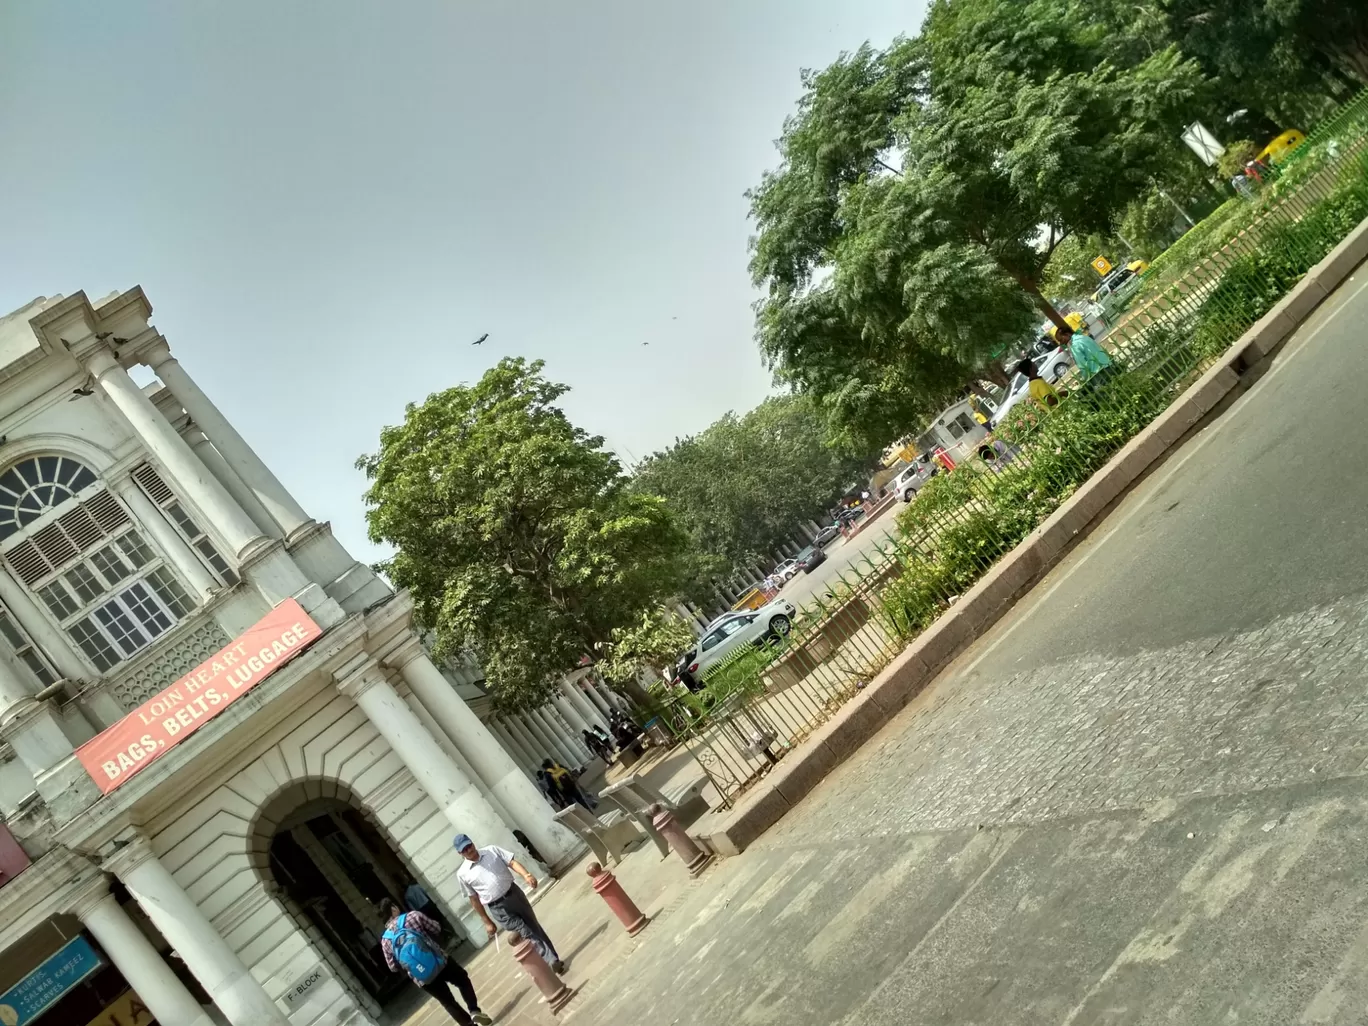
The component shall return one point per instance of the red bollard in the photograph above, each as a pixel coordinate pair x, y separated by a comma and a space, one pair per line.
695, 859
607, 888
554, 990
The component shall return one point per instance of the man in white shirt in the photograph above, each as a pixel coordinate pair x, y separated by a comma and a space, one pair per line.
486, 878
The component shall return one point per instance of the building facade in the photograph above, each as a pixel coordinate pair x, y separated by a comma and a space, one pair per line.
221, 741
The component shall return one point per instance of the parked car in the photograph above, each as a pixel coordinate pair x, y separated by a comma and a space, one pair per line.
1052, 368
810, 558
758, 627
826, 535
786, 570
907, 484
849, 515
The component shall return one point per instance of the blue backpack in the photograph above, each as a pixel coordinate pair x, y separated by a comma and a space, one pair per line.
413, 950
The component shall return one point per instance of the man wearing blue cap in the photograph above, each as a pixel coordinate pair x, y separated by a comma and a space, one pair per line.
486, 877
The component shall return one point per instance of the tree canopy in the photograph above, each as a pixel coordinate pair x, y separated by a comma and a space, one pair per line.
515, 531
741, 487
922, 190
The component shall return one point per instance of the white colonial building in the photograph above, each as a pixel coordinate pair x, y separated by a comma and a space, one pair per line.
223, 743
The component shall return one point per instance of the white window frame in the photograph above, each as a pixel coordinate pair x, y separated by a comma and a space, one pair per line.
149, 596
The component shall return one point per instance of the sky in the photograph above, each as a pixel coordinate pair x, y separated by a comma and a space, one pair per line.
327, 202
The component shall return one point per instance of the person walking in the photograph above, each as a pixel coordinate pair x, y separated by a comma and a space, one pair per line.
1091, 359
564, 781
1041, 390
486, 877
411, 942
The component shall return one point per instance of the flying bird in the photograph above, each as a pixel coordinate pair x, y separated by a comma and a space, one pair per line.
80, 392
480, 339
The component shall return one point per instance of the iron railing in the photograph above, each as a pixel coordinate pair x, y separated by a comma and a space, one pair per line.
1194, 301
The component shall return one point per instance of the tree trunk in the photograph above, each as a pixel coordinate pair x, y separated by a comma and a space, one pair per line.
994, 373
1045, 306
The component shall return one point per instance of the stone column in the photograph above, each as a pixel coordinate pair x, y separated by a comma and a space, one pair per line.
517, 726
33, 728
169, 1000
168, 539
577, 723
230, 984
240, 456
534, 726
54, 644
218, 466
191, 476
512, 746
550, 722
588, 711
492, 764
453, 792
590, 690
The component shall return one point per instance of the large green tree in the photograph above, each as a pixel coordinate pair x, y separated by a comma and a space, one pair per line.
742, 486
515, 531
923, 189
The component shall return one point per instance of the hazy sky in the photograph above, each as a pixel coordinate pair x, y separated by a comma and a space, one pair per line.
327, 202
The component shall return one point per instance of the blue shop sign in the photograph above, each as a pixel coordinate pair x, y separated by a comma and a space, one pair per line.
42, 988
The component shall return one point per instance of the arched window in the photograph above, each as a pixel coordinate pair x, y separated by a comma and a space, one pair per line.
79, 551
38, 485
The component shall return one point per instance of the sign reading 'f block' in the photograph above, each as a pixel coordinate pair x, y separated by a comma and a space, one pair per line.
113, 756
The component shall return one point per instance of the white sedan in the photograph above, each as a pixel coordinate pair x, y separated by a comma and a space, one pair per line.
756, 627
1052, 367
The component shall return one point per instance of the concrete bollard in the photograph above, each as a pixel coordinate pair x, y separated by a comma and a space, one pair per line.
554, 990
607, 887
695, 859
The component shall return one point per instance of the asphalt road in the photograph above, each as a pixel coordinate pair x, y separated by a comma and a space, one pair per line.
1140, 799
843, 556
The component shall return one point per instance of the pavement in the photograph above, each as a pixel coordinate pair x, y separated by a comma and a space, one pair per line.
844, 555
1139, 799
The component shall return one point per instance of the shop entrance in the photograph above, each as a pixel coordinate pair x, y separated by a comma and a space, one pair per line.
336, 867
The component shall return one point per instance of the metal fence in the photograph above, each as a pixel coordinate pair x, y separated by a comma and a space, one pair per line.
1195, 300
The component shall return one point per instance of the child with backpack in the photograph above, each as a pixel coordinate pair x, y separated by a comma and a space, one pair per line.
411, 943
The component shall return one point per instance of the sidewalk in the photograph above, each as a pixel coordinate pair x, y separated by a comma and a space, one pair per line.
586, 933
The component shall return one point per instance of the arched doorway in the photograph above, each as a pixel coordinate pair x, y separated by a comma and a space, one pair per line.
333, 866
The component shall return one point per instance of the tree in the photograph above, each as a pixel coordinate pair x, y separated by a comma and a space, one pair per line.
923, 189
514, 530
651, 644
742, 486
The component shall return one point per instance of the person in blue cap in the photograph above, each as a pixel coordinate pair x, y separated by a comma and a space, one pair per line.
486, 878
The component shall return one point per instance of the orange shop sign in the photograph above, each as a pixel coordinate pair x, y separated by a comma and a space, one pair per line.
113, 756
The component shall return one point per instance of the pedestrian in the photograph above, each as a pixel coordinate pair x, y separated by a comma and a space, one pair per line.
550, 791
417, 899
1090, 358
486, 877
411, 943
598, 746
564, 781
1041, 390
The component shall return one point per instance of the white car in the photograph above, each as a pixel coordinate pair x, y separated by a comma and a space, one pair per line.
786, 570
1052, 367
908, 483
756, 627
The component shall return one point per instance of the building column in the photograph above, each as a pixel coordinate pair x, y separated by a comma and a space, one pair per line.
230, 984
572, 716
168, 539
511, 746
591, 692
166, 997
195, 482
545, 742
517, 726
454, 793
218, 466
556, 710
491, 762
33, 728
558, 733
588, 711
240, 456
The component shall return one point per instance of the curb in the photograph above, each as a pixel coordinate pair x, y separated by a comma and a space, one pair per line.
986, 602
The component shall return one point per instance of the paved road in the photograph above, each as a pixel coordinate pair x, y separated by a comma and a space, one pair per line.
843, 556
1139, 800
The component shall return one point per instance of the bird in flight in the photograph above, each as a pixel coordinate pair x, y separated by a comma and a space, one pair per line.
80, 392
480, 339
